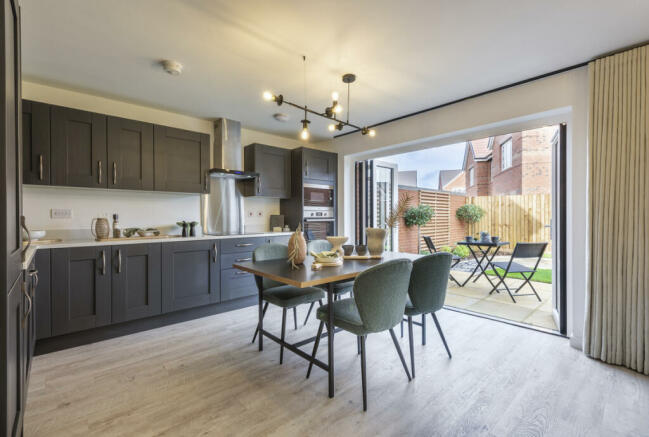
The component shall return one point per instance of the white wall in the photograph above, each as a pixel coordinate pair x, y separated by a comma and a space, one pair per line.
135, 208
555, 99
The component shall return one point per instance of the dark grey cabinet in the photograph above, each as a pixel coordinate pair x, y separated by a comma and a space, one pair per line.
42, 294
14, 362
319, 165
78, 145
36, 143
190, 274
274, 167
136, 275
81, 297
130, 154
181, 160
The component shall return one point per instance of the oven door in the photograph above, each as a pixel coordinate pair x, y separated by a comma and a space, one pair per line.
318, 195
318, 229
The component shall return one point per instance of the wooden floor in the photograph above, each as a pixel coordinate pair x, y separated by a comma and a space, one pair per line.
203, 377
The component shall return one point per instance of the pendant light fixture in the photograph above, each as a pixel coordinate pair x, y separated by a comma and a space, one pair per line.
330, 112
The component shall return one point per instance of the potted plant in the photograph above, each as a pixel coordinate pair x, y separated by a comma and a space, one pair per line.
418, 216
469, 214
376, 236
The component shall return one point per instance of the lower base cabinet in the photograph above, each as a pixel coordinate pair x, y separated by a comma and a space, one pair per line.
135, 282
190, 274
81, 294
15, 362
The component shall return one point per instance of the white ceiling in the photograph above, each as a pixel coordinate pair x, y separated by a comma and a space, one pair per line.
407, 55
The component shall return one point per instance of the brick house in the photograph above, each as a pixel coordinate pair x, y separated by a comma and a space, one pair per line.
517, 163
452, 180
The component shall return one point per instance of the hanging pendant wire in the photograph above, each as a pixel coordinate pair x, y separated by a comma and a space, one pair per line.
347, 102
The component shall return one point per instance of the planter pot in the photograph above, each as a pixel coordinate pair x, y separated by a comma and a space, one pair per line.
375, 240
296, 248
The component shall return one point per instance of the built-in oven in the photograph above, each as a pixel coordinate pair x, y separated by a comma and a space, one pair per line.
319, 222
316, 195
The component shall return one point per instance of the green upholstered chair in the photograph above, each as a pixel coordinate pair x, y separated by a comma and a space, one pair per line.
380, 294
426, 294
282, 295
339, 288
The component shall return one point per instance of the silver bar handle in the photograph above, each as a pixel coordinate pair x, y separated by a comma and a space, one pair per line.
243, 244
114, 173
258, 184
119, 260
214, 253
33, 274
103, 262
240, 260
99, 171
40, 167
306, 168
23, 254
29, 301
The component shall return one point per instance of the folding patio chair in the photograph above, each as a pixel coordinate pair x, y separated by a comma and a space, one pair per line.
456, 259
522, 250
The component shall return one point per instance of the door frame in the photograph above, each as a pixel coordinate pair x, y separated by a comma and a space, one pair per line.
558, 229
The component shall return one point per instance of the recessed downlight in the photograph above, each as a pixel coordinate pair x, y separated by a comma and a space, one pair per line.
172, 67
279, 116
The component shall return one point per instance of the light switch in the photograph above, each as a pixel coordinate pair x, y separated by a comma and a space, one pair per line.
60, 213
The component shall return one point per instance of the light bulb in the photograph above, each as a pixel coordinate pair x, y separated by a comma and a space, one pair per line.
331, 127
372, 133
305, 133
268, 96
335, 96
338, 109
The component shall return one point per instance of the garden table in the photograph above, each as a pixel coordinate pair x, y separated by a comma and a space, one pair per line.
483, 247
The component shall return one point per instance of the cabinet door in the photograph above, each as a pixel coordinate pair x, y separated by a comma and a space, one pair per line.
42, 295
190, 274
319, 165
80, 288
181, 160
78, 148
15, 361
136, 281
274, 167
36, 143
130, 154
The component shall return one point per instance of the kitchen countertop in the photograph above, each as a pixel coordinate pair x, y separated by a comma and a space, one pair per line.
89, 242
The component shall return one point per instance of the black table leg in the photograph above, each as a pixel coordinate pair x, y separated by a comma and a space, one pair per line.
258, 281
331, 331
476, 267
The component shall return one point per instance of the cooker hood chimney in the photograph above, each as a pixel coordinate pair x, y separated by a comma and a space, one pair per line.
227, 152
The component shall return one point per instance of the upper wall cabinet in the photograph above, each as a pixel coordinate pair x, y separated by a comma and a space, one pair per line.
181, 160
130, 154
319, 165
36, 143
78, 148
274, 167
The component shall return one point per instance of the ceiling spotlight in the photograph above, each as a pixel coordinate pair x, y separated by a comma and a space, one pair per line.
331, 127
372, 133
368, 131
268, 96
172, 67
338, 109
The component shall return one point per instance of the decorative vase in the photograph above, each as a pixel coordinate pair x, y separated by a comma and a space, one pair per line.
100, 228
297, 248
375, 240
337, 243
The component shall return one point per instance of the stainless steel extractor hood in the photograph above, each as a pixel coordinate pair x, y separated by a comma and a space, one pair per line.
222, 208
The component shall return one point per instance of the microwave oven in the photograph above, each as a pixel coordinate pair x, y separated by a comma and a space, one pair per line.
318, 195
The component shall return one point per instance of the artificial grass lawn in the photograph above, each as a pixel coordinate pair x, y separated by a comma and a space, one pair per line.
541, 275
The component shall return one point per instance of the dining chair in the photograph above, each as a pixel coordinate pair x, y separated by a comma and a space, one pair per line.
340, 288
455, 260
380, 294
522, 250
282, 295
426, 295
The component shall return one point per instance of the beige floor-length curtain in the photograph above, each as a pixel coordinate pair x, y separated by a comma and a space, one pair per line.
617, 319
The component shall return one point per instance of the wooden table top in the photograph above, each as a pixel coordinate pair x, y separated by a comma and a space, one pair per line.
280, 270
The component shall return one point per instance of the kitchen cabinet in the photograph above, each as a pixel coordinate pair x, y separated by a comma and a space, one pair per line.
181, 160
42, 294
244, 244
135, 282
36, 143
318, 165
78, 148
190, 274
81, 297
130, 154
274, 167
15, 359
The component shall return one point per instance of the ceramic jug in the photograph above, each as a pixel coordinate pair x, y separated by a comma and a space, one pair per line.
100, 228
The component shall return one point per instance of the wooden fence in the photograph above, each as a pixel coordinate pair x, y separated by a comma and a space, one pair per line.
518, 218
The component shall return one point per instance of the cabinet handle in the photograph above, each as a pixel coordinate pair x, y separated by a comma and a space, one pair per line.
119, 260
114, 173
306, 168
258, 184
40, 167
206, 180
243, 244
33, 274
240, 260
29, 238
99, 172
29, 307
214, 253
241, 273
103, 262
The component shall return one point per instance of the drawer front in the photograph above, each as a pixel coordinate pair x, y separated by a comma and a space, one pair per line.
236, 284
280, 239
227, 259
235, 245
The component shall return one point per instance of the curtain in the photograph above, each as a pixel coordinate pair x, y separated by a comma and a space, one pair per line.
617, 313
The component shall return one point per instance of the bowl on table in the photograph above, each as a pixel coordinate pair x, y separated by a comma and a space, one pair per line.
495, 239
469, 239
348, 249
361, 249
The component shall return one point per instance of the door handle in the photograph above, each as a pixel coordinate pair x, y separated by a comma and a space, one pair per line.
214, 253
23, 225
99, 171
103, 262
114, 173
240, 260
40, 167
119, 260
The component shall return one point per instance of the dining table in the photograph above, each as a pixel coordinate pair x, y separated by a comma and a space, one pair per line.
484, 248
304, 276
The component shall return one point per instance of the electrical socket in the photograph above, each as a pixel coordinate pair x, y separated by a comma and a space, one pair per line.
260, 213
60, 213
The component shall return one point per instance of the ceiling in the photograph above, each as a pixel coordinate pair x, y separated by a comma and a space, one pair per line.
407, 55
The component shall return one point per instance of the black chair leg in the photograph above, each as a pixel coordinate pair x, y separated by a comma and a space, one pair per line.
306, 319
295, 317
364, 371
281, 347
441, 334
358, 345
423, 329
412, 346
396, 345
263, 313
315, 348
401, 328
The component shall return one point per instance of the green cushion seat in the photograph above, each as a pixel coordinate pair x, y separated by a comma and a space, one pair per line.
288, 296
346, 316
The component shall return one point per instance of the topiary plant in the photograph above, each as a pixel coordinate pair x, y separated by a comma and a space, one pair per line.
469, 213
418, 215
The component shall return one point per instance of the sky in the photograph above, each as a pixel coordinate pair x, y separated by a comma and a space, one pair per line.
429, 162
